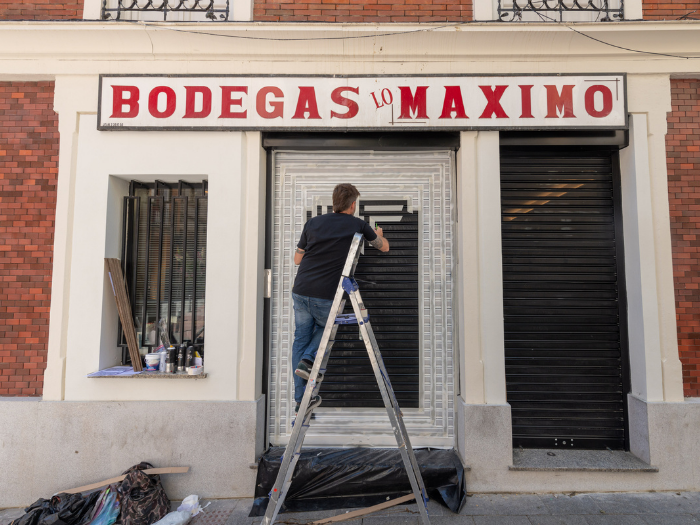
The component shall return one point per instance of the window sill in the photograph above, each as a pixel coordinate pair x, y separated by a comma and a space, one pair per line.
533, 460
153, 375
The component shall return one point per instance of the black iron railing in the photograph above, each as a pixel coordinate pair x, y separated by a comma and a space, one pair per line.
555, 10
206, 7
164, 254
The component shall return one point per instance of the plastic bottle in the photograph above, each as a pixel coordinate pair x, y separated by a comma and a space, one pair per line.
163, 358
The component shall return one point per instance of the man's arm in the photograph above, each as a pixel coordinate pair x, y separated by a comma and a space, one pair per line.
380, 243
299, 255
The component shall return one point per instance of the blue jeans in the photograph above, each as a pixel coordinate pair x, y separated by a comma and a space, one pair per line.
310, 317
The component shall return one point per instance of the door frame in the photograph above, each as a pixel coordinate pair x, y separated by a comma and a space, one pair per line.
393, 141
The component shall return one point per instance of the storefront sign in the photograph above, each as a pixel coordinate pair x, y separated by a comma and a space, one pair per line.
361, 102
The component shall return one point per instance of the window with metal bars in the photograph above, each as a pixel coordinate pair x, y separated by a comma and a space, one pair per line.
164, 258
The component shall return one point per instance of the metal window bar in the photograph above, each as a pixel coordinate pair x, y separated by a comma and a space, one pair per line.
129, 247
215, 14
514, 12
170, 249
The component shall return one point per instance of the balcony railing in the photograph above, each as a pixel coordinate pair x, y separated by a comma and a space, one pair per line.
559, 10
166, 7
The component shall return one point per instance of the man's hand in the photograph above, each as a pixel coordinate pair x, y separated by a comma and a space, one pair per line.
380, 243
298, 255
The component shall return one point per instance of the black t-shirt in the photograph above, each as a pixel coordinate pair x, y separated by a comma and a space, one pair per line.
326, 240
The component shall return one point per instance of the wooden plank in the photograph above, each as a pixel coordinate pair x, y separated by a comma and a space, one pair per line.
93, 486
116, 279
362, 512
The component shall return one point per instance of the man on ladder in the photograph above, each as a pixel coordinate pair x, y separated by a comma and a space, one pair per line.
321, 253
323, 242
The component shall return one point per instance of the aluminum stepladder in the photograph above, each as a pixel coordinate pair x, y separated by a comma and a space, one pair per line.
360, 317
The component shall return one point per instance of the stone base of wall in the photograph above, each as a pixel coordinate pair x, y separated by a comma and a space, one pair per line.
663, 434
46, 447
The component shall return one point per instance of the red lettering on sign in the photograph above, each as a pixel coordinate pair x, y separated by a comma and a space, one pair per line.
338, 98
277, 105
376, 102
191, 92
411, 103
118, 101
169, 102
307, 103
560, 103
453, 102
390, 97
526, 101
607, 101
493, 101
227, 101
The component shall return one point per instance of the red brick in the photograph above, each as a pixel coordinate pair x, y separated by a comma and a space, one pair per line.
372, 11
664, 10
41, 10
29, 130
683, 167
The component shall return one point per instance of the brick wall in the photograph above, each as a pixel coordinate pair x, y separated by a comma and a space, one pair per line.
41, 10
363, 10
683, 159
28, 171
669, 9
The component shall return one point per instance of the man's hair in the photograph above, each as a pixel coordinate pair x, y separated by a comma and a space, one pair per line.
343, 197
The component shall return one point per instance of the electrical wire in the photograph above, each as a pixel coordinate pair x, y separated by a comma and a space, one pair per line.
541, 15
427, 29
629, 49
304, 39
397, 33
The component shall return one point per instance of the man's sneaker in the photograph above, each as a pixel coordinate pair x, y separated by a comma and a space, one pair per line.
315, 401
304, 370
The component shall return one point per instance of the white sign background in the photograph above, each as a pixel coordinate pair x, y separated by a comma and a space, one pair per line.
377, 101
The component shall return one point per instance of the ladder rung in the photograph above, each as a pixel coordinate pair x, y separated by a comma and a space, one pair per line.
349, 319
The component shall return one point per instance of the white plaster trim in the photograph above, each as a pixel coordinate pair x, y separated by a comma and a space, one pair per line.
91, 9
467, 311
67, 106
103, 158
485, 10
651, 95
640, 268
633, 10
86, 47
488, 187
242, 10
252, 254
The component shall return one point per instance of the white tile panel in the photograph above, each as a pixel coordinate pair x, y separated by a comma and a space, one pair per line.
303, 180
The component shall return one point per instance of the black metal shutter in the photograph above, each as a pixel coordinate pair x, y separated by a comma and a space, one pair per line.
389, 287
565, 353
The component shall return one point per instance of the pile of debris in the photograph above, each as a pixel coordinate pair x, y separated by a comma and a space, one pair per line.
136, 497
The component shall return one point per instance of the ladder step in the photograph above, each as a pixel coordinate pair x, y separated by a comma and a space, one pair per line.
349, 319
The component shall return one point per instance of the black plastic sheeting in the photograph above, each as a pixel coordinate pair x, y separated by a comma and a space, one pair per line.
332, 478
61, 509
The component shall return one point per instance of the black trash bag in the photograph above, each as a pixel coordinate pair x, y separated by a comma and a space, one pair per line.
61, 509
329, 478
144, 500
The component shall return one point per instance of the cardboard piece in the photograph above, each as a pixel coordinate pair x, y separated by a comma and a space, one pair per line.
369, 510
165, 470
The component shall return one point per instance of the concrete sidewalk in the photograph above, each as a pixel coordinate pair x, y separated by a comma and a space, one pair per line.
649, 508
